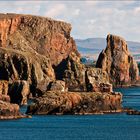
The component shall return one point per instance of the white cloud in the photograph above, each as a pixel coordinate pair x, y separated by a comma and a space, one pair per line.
56, 10
76, 12
91, 3
88, 18
137, 10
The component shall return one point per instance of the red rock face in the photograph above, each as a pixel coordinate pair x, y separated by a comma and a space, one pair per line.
117, 61
46, 36
7, 27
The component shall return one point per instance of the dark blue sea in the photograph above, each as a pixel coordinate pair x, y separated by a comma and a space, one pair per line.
89, 127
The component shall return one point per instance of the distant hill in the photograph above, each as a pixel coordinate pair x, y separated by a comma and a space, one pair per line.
91, 47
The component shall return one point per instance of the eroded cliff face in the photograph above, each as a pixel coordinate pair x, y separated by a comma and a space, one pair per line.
32, 33
18, 65
117, 61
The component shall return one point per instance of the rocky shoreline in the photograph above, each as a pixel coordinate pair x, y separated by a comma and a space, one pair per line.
39, 60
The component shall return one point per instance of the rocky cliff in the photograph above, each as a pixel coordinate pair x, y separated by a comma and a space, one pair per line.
38, 54
30, 46
33, 33
117, 61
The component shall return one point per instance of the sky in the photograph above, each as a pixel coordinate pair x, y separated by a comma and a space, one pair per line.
88, 18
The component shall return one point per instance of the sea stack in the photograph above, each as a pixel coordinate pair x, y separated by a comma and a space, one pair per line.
117, 61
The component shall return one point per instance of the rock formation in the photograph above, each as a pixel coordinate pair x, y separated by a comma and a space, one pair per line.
57, 85
33, 33
76, 103
80, 78
38, 54
18, 65
117, 61
7, 110
72, 72
30, 46
97, 80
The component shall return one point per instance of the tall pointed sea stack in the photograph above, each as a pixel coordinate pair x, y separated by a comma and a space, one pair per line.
117, 61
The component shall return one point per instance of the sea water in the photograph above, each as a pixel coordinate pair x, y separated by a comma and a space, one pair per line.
72, 127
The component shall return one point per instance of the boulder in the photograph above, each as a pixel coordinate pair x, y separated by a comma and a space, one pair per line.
19, 92
54, 102
97, 80
133, 112
9, 111
117, 61
57, 85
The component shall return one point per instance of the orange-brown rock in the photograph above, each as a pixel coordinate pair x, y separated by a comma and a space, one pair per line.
72, 71
57, 85
55, 102
117, 61
33, 33
97, 80
80, 78
34, 68
9, 111
4, 91
3, 87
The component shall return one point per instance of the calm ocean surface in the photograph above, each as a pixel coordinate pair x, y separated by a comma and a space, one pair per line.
89, 127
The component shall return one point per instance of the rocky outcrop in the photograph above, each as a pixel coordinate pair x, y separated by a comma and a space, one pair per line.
33, 33
117, 61
57, 85
81, 78
72, 72
133, 112
76, 103
30, 46
34, 68
97, 80
7, 110
38, 54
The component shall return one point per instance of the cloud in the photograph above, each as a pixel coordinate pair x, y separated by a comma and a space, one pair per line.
88, 18
76, 12
137, 10
56, 10
91, 3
